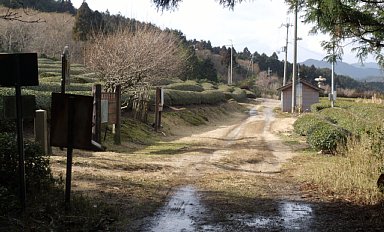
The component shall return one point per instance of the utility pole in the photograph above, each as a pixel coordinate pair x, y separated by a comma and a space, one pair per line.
332, 76
285, 49
294, 62
252, 64
230, 79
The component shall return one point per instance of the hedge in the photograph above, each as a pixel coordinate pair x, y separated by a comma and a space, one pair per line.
326, 137
178, 98
186, 86
305, 122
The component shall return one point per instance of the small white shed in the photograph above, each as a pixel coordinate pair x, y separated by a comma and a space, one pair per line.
306, 95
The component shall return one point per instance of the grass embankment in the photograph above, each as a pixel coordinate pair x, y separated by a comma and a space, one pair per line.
352, 171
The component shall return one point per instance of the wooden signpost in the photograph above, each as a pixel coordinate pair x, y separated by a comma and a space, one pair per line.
159, 104
18, 70
71, 127
113, 113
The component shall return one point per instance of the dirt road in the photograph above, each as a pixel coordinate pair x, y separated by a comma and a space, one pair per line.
249, 147
234, 181
226, 176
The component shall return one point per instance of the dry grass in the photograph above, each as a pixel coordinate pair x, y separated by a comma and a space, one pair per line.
351, 177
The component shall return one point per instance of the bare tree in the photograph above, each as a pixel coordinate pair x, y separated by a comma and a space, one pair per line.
130, 59
19, 15
47, 37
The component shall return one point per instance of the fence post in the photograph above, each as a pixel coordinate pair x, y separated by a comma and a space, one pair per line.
41, 131
157, 108
96, 129
117, 138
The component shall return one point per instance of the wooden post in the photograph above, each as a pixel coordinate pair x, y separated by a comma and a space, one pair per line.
70, 117
64, 69
41, 130
20, 139
96, 130
20, 147
117, 135
157, 108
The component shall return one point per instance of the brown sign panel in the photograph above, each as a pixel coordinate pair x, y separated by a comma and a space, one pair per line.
18, 69
111, 98
28, 102
82, 120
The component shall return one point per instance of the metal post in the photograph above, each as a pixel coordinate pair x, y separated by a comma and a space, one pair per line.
294, 62
70, 117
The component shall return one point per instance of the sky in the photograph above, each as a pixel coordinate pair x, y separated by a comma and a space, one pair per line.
256, 25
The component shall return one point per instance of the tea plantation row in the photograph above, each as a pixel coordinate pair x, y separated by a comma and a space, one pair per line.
327, 128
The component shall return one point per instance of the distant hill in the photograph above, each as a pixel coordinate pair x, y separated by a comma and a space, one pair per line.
368, 72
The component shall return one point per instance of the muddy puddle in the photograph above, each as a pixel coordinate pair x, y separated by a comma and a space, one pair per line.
290, 216
181, 212
184, 212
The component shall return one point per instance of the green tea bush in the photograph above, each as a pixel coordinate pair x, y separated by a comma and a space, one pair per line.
250, 94
238, 95
56, 87
37, 171
186, 86
326, 137
49, 74
319, 106
208, 86
180, 98
212, 97
225, 88
305, 122
345, 119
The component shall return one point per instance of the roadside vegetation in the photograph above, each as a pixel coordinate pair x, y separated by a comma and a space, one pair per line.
349, 158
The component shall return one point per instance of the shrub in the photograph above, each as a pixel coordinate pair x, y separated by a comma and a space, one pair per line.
186, 86
326, 137
179, 98
238, 95
319, 106
302, 125
37, 170
212, 97
345, 119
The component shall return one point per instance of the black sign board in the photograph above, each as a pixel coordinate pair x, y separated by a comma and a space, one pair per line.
82, 120
28, 104
18, 69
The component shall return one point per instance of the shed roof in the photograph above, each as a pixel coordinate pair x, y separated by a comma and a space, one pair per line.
289, 85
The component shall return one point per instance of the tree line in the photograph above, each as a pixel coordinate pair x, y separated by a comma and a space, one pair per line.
59, 6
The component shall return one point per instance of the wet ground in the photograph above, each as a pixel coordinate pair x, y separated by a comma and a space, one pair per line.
184, 212
280, 206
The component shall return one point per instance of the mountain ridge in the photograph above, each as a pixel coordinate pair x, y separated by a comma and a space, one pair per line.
369, 72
